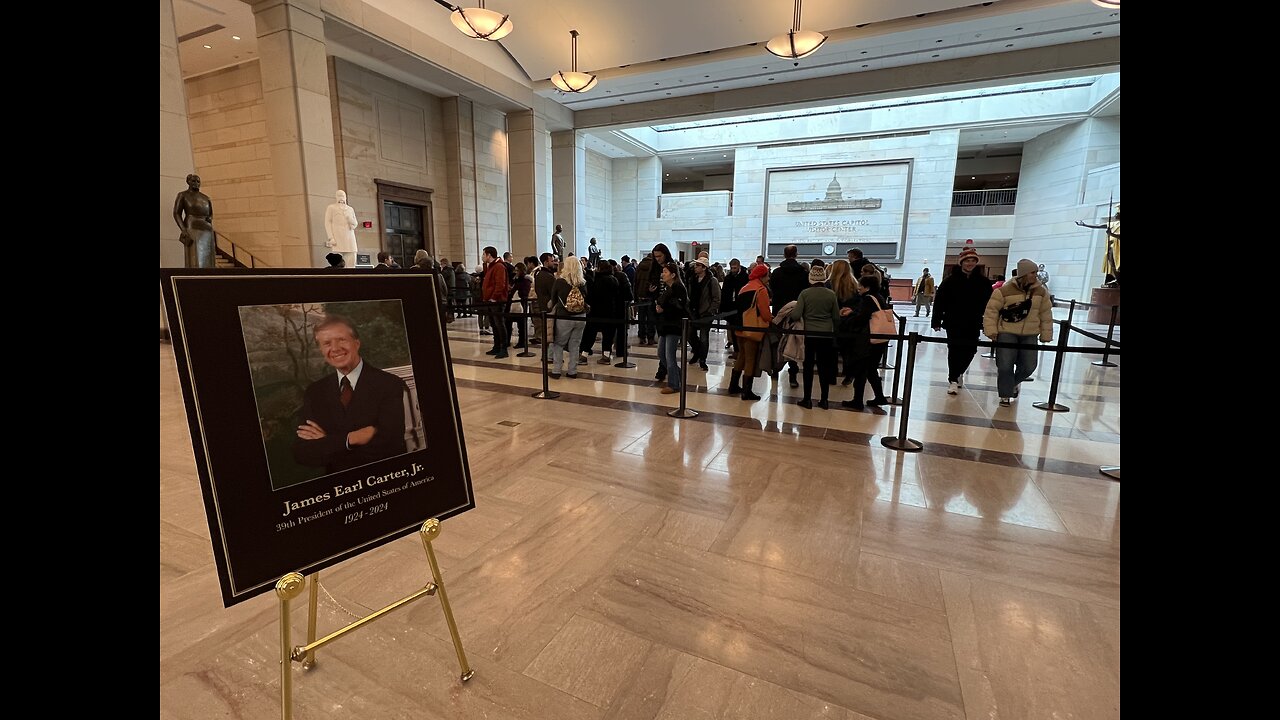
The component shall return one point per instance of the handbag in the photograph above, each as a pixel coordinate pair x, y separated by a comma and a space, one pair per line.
751, 318
883, 322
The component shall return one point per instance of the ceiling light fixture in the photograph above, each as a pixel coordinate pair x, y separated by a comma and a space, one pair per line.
481, 23
797, 43
1108, 4
208, 47
574, 81
235, 37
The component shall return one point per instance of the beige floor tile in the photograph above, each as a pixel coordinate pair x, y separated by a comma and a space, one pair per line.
686, 528
589, 660
1047, 561
1027, 654
899, 579
855, 649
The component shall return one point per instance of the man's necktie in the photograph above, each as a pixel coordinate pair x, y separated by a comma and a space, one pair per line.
345, 392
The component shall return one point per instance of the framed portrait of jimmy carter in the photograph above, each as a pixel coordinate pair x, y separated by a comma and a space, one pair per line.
323, 414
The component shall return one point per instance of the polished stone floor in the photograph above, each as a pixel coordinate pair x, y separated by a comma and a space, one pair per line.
758, 561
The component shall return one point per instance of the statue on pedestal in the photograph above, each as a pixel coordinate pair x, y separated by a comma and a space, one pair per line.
193, 211
1110, 263
340, 226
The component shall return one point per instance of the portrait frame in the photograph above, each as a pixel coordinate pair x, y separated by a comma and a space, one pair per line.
259, 532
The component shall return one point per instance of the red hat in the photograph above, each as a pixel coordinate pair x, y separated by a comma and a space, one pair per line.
758, 272
968, 251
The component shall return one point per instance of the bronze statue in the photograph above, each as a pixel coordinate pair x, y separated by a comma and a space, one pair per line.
193, 211
1111, 262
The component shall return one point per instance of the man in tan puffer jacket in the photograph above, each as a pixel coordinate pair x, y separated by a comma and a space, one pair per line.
1020, 311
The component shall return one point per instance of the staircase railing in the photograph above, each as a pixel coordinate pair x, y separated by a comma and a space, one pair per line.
237, 254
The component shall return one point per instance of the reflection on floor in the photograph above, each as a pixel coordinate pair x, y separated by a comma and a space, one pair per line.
759, 561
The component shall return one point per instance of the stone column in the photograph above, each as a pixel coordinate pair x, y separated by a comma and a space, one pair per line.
176, 160
460, 161
569, 176
527, 159
295, 89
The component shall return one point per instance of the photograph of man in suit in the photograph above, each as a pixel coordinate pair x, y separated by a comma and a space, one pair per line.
354, 416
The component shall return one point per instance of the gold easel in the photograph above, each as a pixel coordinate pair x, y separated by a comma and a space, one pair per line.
290, 586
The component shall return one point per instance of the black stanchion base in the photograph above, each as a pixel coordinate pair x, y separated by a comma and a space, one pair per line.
1108, 363
1111, 471
527, 353
624, 364
1057, 407
685, 413
548, 395
907, 445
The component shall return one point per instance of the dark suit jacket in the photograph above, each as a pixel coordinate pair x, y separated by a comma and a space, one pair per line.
378, 401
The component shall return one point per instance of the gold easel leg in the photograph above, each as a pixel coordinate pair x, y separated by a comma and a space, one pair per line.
310, 660
430, 531
288, 588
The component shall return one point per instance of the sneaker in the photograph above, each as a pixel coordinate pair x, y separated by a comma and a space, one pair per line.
1004, 402
668, 390
486, 332
582, 358
953, 388
960, 381
605, 359
851, 404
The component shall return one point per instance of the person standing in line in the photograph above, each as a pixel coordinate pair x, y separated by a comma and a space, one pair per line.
496, 290
671, 306
818, 308
1019, 312
924, 293
961, 300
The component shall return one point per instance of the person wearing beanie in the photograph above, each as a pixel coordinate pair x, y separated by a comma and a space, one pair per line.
958, 306
335, 260
1019, 312
753, 304
818, 307
704, 304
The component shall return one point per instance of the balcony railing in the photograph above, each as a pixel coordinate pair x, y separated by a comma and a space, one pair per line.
983, 202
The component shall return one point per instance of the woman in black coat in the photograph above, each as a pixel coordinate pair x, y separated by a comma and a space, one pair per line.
861, 355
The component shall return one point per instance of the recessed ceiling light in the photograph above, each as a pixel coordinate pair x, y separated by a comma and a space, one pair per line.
764, 67
864, 52
1009, 45
1017, 28
770, 79
937, 41
866, 66
973, 177
706, 76
937, 56
724, 156
657, 83
1099, 32
208, 47
235, 37
715, 87
668, 93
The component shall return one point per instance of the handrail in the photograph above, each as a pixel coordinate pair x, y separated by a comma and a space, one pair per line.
238, 253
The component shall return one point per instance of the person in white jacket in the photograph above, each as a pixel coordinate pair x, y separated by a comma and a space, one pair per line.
340, 225
1020, 311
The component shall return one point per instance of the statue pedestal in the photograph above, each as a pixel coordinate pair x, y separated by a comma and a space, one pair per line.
1104, 297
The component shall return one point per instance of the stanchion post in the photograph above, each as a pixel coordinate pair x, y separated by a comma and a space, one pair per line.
897, 361
884, 357
1051, 404
902, 442
546, 393
524, 332
1106, 352
682, 411
625, 362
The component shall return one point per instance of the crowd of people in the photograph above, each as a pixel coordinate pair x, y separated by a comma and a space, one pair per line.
828, 309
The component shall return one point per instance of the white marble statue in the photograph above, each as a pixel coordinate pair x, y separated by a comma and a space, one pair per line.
340, 225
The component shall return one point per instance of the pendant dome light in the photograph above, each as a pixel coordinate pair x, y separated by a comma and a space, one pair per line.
482, 23
797, 43
574, 81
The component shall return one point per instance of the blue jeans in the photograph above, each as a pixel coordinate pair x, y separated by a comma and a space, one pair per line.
1024, 358
667, 346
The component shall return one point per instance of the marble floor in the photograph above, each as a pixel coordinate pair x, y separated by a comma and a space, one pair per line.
758, 561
